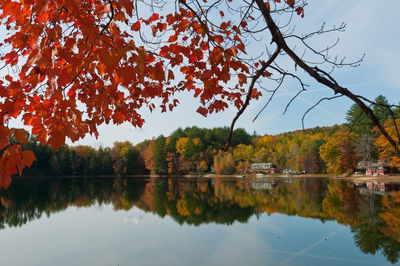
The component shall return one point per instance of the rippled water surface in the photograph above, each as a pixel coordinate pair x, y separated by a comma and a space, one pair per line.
201, 221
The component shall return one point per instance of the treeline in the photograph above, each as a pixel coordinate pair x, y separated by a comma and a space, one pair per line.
121, 159
196, 150
334, 150
189, 150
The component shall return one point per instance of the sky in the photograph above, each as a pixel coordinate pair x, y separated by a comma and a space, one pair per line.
372, 28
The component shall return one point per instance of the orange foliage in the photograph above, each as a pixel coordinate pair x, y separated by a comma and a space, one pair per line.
386, 150
82, 64
338, 153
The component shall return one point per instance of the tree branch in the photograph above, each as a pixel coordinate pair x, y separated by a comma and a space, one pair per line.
278, 38
249, 92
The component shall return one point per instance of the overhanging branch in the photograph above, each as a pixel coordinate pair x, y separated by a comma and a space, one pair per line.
279, 39
249, 92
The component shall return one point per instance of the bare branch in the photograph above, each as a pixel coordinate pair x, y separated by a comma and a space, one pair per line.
249, 92
315, 105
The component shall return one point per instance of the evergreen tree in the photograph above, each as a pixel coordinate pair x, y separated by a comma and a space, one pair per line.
381, 112
160, 156
358, 121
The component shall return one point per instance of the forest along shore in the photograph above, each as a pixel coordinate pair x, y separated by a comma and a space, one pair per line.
338, 150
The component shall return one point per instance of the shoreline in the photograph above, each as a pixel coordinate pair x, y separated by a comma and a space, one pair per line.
388, 178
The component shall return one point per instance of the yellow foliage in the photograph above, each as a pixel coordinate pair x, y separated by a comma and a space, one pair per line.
386, 150
338, 152
181, 144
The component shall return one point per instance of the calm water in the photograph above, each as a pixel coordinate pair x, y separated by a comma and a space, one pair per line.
198, 222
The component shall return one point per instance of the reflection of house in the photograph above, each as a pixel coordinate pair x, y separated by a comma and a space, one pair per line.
378, 188
262, 185
371, 168
263, 167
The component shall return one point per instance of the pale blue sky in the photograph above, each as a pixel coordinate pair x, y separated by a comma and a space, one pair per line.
372, 28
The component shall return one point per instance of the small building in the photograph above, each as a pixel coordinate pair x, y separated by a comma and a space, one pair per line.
263, 167
372, 168
287, 171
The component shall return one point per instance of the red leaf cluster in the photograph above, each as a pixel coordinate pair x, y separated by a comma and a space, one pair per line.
82, 64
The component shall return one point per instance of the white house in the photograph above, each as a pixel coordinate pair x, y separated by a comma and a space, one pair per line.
263, 167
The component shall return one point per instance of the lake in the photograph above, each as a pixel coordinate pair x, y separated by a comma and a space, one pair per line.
199, 221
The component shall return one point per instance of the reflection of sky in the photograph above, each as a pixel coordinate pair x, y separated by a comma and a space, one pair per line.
100, 236
372, 28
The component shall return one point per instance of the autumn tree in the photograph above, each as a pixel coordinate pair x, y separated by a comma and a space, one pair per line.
224, 163
339, 153
147, 153
74, 65
243, 152
386, 151
126, 159
308, 162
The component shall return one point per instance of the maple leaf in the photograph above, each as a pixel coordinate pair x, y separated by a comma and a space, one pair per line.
20, 135
300, 11
141, 61
290, 2
203, 111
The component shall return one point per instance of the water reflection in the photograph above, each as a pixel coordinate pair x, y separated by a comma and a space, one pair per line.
371, 211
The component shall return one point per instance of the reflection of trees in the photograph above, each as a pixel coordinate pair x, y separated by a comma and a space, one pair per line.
391, 215
373, 220
371, 240
372, 233
342, 203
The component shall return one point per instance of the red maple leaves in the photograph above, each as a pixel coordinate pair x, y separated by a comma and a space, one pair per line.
84, 63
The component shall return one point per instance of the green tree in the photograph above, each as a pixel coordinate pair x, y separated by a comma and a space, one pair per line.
381, 110
240, 136
358, 121
160, 156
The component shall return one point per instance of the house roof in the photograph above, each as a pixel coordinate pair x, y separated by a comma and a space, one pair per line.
366, 164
